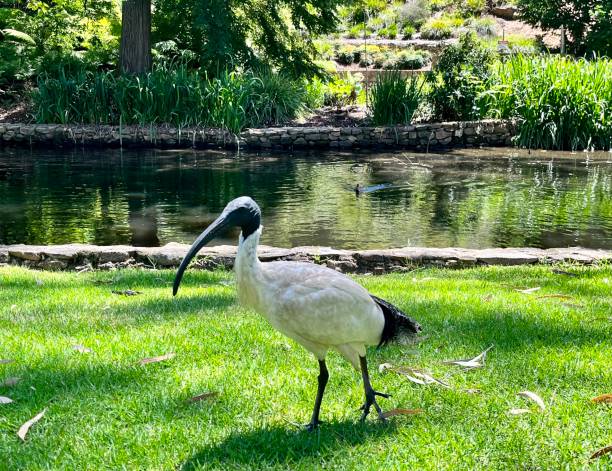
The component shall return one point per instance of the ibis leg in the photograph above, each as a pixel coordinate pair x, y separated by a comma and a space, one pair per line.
323, 377
370, 394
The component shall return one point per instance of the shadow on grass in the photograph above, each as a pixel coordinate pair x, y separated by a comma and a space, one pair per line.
285, 445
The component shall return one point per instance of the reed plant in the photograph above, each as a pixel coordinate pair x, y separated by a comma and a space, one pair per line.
558, 102
394, 99
173, 94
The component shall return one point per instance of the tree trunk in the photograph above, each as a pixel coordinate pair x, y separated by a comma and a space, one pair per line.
135, 48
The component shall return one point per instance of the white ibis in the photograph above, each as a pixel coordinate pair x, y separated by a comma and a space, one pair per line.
316, 306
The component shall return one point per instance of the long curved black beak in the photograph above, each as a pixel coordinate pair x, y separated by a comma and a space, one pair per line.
220, 225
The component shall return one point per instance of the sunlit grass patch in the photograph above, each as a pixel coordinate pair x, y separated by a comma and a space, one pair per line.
104, 409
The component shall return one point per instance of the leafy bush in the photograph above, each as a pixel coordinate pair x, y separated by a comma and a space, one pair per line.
458, 79
174, 95
394, 99
414, 12
483, 27
411, 60
390, 32
437, 28
558, 102
408, 31
343, 91
345, 55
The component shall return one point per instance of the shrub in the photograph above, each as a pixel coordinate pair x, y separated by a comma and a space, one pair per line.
558, 102
345, 55
408, 31
412, 59
390, 32
414, 12
437, 28
357, 31
458, 78
394, 99
483, 27
178, 96
343, 91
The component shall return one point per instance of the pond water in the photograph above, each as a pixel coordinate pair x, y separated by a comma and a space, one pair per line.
476, 198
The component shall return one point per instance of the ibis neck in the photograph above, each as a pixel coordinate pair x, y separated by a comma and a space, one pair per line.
248, 269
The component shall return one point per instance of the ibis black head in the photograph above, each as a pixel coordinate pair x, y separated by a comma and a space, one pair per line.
242, 212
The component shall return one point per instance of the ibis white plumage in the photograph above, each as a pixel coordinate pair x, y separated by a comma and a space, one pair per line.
318, 307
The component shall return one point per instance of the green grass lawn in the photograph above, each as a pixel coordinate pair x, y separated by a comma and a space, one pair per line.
106, 411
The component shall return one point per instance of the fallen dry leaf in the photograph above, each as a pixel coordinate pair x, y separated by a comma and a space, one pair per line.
82, 349
418, 280
477, 362
23, 430
519, 411
5, 400
473, 391
534, 397
394, 412
167, 356
11, 381
487, 298
127, 292
528, 290
201, 397
419, 377
558, 296
604, 398
602, 451
39, 282
5, 361
384, 366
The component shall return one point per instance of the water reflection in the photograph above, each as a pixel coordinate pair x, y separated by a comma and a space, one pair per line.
485, 198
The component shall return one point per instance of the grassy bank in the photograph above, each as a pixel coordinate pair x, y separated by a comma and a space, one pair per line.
105, 410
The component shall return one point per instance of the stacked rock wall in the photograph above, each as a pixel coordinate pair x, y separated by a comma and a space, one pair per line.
419, 136
88, 257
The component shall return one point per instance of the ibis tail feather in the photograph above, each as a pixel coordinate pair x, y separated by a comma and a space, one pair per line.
396, 322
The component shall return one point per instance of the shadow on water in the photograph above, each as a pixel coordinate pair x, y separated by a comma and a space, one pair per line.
286, 445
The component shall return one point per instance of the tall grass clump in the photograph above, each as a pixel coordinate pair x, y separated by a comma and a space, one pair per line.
174, 94
394, 99
558, 102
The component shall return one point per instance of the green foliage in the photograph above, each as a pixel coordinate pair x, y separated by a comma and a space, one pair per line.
343, 90
408, 31
437, 28
394, 99
483, 27
558, 102
175, 95
458, 79
408, 60
589, 22
390, 32
414, 12
346, 55
248, 33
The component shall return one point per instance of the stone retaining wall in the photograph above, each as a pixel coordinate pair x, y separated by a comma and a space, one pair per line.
87, 257
420, 136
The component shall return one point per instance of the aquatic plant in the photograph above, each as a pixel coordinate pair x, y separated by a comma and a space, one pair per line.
394, 99
559, 102
173, 94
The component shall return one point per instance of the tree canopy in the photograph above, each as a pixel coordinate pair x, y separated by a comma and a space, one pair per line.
588, 22
249, 32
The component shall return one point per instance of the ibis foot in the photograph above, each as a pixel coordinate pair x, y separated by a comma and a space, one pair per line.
370, 394
371, 401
